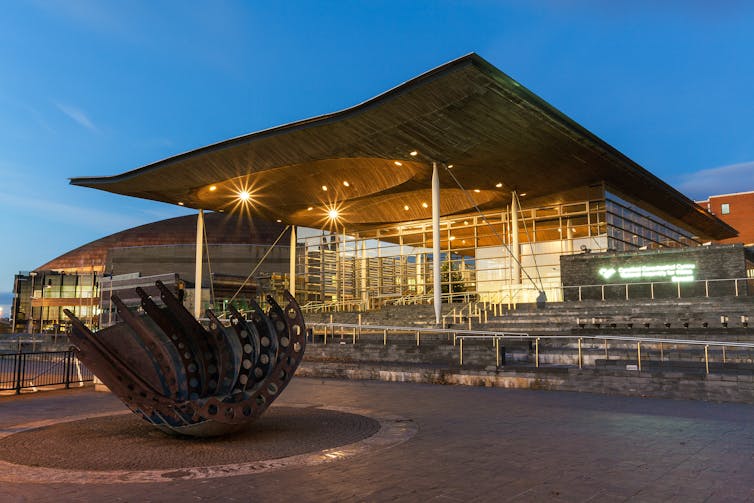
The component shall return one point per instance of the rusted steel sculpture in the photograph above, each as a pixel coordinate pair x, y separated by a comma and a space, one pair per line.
187, 380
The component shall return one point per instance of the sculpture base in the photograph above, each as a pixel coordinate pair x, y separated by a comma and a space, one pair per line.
127, 442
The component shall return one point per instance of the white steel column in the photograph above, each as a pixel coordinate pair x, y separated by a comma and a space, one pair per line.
292, 265
437, 287
515, 247
198, 265
363, 269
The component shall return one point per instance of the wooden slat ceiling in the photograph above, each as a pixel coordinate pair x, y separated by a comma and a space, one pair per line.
465, 113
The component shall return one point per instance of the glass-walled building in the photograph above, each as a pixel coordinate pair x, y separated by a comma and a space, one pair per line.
478, 261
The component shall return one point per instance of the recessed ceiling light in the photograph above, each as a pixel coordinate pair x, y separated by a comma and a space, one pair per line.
180, 203
413, 153
212, 188
405, 207
278, 220
310, 208
452, 238
450, 165
499, 184
465, 222
346, 184
333, 214
398, 163
244, 195
477, 191
425, 205
522, 194
221, 211
324, 187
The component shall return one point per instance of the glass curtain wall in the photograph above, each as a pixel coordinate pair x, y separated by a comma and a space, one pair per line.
394, 264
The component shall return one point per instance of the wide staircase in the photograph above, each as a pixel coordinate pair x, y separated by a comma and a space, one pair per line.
585, 323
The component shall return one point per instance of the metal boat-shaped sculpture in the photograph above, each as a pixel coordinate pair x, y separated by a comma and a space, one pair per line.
185, 379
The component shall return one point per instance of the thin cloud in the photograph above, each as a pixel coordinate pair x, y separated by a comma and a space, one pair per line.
722, 180
78, 116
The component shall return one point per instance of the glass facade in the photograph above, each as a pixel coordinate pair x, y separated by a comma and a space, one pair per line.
477, 259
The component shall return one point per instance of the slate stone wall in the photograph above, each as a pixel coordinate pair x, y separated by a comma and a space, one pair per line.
712, 263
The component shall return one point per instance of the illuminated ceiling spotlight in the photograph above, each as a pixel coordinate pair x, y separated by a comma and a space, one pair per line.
333, 214
310, 208
452, 238
499, 185
398, 163
413, 153
180, 203
465, 222
212, 188
450, 166
324, 187
477, 191
425, 205
406, 207
278, 220
244, 195
346, 184
522, 194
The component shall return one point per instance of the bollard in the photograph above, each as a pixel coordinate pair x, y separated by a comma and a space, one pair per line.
497, 352
638, 356
706, 357
417, 337
384, 337
536, 352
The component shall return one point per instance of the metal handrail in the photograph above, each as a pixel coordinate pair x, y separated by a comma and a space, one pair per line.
459, 335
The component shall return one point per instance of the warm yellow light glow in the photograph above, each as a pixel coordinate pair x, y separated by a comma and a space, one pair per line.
499, 184
452, 238
522, 194
465, 222
425, 205
212, 188
405, 207
450, 166
346, 184
310, 208
413, 153
278, 220
324, 187
244, 195
333, 214
180, 203
398, 163
477, 191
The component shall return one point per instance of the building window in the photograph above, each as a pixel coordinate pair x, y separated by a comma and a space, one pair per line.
725, 208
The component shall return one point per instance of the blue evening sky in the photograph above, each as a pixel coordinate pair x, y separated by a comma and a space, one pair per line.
100, 87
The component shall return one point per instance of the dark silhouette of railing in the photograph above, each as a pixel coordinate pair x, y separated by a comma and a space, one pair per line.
19, 371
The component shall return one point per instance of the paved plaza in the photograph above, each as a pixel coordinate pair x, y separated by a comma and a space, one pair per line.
470, 444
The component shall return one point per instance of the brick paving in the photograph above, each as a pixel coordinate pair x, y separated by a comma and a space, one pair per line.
473, 444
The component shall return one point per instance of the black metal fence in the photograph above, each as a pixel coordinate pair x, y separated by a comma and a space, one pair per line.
20, 371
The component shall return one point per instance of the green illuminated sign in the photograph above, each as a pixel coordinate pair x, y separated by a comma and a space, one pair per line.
677, 273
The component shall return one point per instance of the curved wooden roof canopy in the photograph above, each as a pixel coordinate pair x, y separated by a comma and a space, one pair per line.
465, 113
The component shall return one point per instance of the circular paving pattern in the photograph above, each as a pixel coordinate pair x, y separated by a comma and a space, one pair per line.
124, 448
